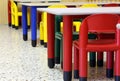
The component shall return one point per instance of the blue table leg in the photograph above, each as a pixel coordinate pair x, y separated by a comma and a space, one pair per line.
34, 25
24, 22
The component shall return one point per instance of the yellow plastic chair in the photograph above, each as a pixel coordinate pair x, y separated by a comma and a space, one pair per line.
43, 24
89, 5
15, 13
76, 24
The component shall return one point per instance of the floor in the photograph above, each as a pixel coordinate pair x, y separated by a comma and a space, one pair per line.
19, 61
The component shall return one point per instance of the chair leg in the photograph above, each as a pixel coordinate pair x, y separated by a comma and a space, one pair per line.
92, 56
61, 53
28, 20
76, 63
13, 21
45, 29
82, 65
9, 19
45, 44
109, 64
41, 33
16, 21
99, 59
92, 59
57, 51
117, 66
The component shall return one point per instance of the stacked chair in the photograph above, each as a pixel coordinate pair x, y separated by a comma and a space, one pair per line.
15, 14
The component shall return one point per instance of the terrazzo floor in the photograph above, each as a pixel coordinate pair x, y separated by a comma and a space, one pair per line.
19, 61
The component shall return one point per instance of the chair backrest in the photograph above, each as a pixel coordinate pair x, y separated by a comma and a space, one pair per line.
89, 5
98, 23
103, 0
13, 7
57, 6
111, 5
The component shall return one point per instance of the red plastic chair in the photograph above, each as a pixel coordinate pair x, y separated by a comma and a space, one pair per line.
111, 5
99, 23
104, 36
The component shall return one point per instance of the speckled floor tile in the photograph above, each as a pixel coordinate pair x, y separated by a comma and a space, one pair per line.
19, 61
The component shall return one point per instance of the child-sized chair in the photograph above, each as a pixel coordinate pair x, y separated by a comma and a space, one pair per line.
104, 36
98, 23
15, 13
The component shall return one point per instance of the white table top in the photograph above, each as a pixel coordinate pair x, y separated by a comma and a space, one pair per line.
27, 0
65, 3
80, 11
34, 0
51, 3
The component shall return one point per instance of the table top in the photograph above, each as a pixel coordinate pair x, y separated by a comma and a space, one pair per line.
27, 0
80, 11
65, 3
34, 0
51, 3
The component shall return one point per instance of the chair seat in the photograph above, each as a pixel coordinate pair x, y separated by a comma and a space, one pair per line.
103, 44
106, 35
59, 35
19, 13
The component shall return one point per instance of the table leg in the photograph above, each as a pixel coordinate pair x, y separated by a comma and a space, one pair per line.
117, 66
24, 22
67, 47
34, 25
51, 39
9, 13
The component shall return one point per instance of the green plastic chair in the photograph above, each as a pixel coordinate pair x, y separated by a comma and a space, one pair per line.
59, 40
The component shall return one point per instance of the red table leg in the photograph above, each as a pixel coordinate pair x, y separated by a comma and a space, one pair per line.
9, 13
67, 47
51, 39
